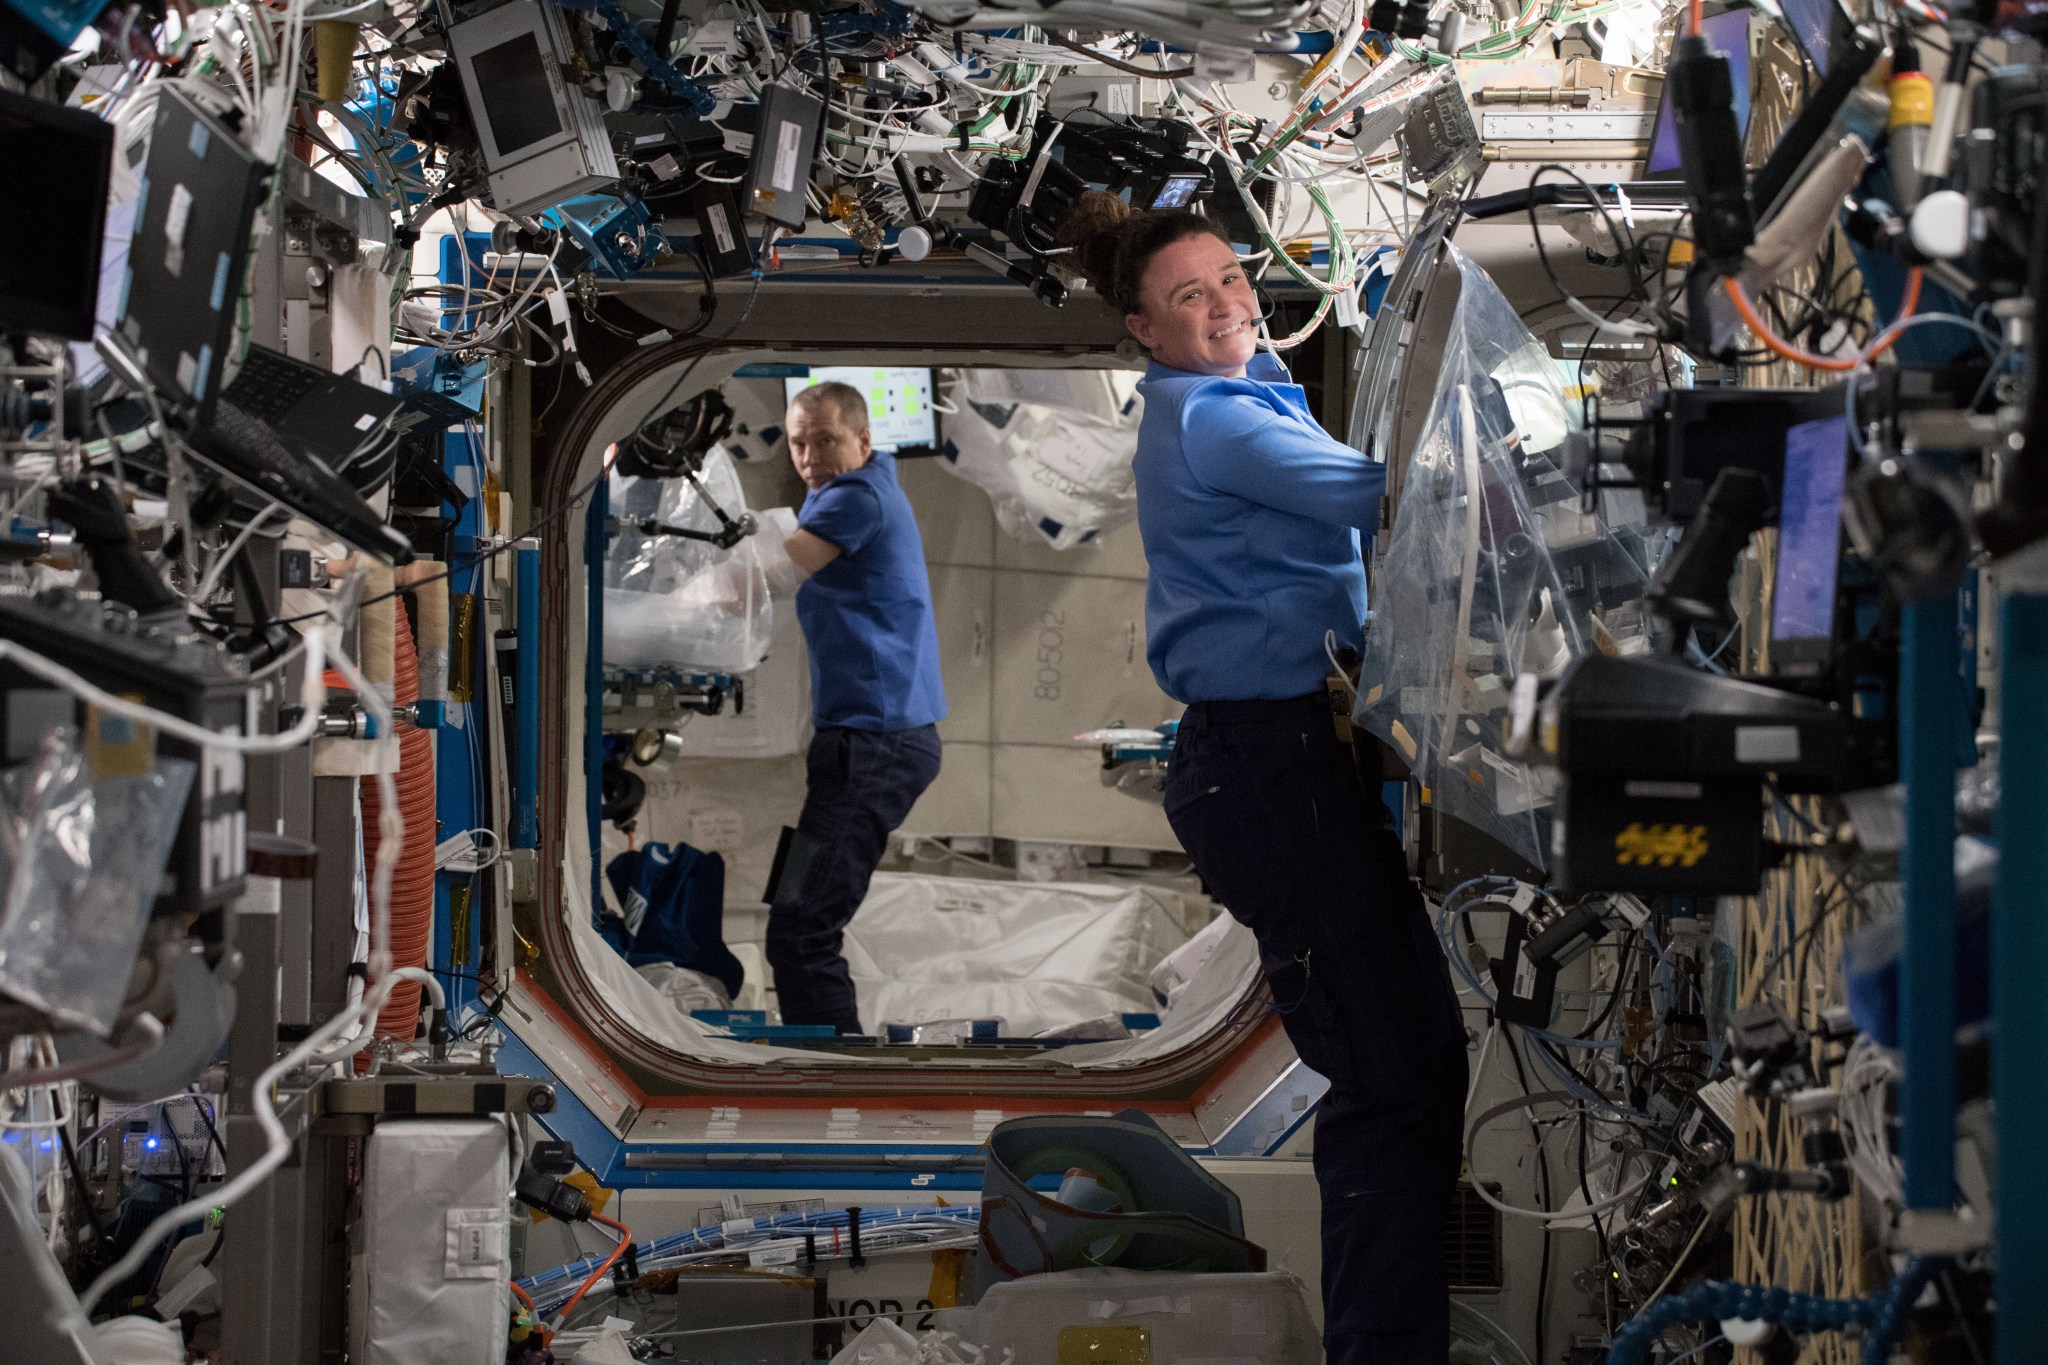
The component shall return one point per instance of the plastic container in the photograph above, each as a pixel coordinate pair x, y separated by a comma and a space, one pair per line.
1260, 1319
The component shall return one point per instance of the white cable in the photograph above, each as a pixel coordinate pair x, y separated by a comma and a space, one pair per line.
496, 850
313, 697
211, 578
1867, 1078
1479, 1067
1561, 1215
390, 841
73, 1071
1614, 1200
279, 1143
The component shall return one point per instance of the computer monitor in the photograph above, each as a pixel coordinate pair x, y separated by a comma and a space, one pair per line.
54, 163
1809, 544
1726, 32
900, 413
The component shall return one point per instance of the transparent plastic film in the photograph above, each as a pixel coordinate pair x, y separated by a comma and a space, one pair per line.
671, 601
82, 854
1494, 570
1051, 448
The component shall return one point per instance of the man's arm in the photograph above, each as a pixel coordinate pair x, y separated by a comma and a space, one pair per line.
789, 555
809, 552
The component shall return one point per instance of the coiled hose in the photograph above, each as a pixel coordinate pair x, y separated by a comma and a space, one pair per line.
412, 881
1881, 1316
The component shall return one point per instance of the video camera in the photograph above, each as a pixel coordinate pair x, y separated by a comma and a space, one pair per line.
1152, 163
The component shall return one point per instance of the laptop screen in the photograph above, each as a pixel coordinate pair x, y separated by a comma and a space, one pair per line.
55, 163
1812, 23
1727, 32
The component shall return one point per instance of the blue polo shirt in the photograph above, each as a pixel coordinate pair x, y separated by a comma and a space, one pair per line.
1255, 520
867, 616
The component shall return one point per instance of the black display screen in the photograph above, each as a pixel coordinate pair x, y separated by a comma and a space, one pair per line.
517, 101
55, 163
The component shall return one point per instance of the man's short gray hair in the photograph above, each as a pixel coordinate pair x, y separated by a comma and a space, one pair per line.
845, 399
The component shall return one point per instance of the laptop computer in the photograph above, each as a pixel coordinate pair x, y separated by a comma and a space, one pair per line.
328, 417
175, 323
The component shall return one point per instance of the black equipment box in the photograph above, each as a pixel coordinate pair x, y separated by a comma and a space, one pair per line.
1688, 436
1663, 768
176, 671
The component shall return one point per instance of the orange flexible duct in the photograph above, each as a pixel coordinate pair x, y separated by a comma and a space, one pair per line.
412, 881
1785, 350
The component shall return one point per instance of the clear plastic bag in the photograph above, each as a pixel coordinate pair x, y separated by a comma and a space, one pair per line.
1493, 570
674, 602
81, 857
1051, 448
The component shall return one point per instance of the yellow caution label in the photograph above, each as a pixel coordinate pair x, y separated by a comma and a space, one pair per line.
1643, 845
116, 746
948, 1269
1105, 1344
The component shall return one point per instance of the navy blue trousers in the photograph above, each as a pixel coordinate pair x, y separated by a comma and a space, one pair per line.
1271, 807
861, 783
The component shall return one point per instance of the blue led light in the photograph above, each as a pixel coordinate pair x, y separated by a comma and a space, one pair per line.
150, 1143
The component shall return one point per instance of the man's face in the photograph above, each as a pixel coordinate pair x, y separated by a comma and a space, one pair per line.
823, 444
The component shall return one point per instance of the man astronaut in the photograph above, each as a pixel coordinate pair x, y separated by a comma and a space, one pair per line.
876, 695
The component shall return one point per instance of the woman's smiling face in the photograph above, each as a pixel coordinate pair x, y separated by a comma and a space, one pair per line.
1196, 309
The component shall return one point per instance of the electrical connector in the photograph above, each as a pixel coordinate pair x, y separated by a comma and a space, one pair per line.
541, 1187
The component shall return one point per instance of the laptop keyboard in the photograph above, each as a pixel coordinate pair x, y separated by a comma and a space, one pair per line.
245, 447
270, 385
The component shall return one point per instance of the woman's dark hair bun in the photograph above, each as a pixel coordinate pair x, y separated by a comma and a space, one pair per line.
1091, 229
1112, 242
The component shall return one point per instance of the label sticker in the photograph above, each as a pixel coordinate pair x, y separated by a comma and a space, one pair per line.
721, 230
366, 421
714, 38
1662, 791
789, 142
1766, 744
219, 296
718, 831
1345, 305
1227, 65
476, 1244
176, 218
